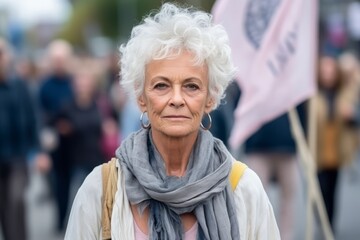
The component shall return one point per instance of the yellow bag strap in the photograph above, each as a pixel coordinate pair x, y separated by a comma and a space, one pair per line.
109, 180
237, 170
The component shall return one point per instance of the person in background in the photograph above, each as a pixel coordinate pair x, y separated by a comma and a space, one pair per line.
55, 92
335, 119
349, 69
84, 133
27, 70
111, 101
271, 153
18, 138
173, 175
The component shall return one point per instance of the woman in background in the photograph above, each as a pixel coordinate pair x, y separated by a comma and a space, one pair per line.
335, 121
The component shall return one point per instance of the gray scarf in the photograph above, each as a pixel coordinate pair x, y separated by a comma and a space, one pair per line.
204, 190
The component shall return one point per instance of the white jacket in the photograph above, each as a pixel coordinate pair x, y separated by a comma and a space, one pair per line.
255, 214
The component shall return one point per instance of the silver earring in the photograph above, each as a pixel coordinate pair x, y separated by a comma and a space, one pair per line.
210, 122
145, 126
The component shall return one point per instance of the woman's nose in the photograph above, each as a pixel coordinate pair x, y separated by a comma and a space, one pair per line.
177, 99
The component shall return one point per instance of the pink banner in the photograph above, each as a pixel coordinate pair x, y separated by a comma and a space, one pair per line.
274, 46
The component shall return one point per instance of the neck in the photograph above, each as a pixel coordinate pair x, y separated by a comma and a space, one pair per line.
175, 151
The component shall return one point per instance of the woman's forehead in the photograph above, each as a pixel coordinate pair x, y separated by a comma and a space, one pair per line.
182, 64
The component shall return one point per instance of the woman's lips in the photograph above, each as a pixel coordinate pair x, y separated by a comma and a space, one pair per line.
176, 117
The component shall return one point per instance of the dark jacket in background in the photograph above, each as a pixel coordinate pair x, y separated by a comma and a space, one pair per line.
223, 116
85, 137
275, 136
55, 92
18, 128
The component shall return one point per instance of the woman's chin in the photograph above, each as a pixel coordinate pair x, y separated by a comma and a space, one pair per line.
178, 131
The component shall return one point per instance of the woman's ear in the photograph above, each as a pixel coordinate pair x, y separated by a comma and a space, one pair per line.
141, 102
209, 105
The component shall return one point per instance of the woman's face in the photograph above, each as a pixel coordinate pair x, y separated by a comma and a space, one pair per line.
84, 84
328, 72
175, 95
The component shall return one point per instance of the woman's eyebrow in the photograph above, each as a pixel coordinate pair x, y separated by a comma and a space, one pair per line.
190, 79
160, 77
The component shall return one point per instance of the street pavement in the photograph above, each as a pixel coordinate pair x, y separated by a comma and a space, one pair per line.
347, 216
42, 213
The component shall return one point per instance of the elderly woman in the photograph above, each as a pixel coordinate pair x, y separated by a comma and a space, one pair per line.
173, 174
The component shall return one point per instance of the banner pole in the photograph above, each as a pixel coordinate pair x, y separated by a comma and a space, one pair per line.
310, 172
312, 134
309, 210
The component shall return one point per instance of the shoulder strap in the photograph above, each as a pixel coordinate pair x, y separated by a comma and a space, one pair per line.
109, 181
237, 170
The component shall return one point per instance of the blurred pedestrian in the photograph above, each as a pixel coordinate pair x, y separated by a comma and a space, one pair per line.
83, 117
335, 119
27, 70
349, 68
271, 153
18, 138
55, 92
111, 100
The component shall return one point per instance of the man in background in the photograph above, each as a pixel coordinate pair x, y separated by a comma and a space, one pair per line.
18, 137
55, 92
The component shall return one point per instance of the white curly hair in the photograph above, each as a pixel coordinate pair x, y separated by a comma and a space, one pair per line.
170, 31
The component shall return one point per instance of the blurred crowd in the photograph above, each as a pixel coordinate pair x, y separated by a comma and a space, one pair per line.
64, 113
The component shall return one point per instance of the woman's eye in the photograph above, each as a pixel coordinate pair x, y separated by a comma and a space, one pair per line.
192, 86
160, 86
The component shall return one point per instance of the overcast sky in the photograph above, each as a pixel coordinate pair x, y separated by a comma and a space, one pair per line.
29, 12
